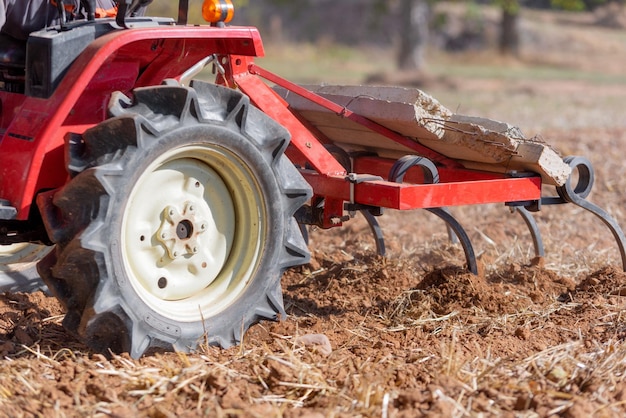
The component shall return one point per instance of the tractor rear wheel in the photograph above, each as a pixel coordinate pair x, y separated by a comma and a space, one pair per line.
178, 223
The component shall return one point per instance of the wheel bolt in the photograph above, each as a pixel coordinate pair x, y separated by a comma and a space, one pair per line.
178, 232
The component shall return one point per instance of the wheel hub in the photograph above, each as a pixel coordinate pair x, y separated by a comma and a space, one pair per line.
179, 230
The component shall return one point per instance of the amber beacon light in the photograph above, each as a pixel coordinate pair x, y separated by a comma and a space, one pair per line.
214, 11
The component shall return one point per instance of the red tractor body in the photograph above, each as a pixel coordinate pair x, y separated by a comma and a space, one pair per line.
35, 128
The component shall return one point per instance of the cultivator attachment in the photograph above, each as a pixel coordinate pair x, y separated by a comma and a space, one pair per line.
364, 149
566, 194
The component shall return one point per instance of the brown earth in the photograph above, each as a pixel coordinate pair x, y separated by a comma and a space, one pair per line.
411, 334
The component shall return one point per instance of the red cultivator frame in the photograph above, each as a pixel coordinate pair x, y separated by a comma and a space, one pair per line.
426, 180
171, 206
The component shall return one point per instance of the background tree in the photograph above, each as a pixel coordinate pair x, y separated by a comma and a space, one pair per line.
511, 9
415, 15
509, 26
405, 23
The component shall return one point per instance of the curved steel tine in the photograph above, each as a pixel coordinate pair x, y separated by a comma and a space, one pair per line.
452, 236
529, 219
453, 224
577, 196
431, 175
376, 230
609, 221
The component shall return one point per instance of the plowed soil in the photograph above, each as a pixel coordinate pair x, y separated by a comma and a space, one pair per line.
409, 335
406, 335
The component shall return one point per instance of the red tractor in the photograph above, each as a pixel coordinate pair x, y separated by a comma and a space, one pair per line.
162, 211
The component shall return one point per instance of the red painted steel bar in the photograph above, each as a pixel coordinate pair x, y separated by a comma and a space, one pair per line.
405, 196
308, 146
348, 114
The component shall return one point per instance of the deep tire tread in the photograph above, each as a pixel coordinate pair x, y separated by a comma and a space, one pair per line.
95, 306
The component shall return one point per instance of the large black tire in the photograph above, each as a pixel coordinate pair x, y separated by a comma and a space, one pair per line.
178, 223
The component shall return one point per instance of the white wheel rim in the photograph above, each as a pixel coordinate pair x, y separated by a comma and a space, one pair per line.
21, 256
192, 232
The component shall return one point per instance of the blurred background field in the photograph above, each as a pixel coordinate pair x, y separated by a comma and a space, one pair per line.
563, 59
